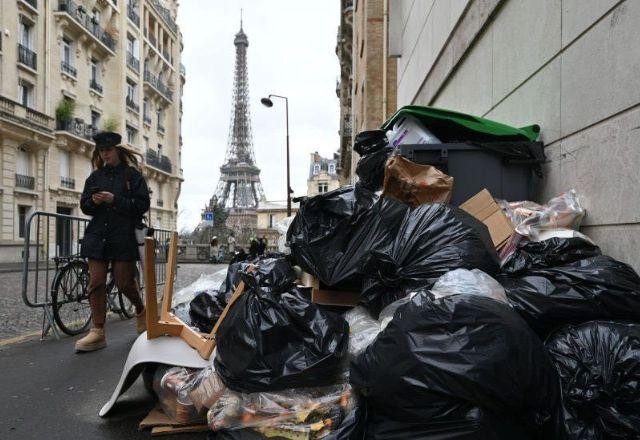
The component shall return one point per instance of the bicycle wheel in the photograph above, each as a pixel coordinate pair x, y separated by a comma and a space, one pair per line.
70, 298
127, 309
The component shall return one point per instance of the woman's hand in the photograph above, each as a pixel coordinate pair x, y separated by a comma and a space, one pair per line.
102, 197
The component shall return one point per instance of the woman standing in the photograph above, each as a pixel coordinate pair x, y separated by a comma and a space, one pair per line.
116, 196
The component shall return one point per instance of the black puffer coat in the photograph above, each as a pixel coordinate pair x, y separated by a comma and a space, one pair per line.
110, 233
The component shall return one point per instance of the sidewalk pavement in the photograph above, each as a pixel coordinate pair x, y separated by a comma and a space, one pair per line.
52, 393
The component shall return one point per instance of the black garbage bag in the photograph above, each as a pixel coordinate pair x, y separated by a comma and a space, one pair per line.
599, 367
333, 231
272, 341
374, 150
431, 241
205, 309
464, 422
437, 356
548, 253
594, 288
275, 273
232, 279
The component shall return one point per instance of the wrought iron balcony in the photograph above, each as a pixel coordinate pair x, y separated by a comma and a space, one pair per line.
133, 62
157, 84
77, 127
165, 14
67, 182
132, 105
165, 164
27, 182
27, 57
93, 84
68, 69
160, 162
79, 15
133, 15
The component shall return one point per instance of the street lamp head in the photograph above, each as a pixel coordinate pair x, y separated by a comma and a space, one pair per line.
267, 102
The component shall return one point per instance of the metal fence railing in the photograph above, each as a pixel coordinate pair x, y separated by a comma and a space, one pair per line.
51, 237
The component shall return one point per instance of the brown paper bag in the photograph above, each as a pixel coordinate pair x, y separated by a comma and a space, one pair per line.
416, 184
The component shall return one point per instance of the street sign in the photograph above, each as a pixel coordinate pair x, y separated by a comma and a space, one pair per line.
207, 218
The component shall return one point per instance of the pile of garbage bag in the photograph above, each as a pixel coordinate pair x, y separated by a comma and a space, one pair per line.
456, 332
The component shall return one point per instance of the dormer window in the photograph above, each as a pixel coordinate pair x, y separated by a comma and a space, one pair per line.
316, 169
332, 168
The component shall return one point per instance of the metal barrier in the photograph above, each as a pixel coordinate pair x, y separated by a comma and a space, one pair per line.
50, 236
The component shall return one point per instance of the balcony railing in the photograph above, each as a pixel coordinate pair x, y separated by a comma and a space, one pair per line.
67, 182
157, 84
23, 181
160, 203
132, 105
93, 84
68, 69
23, 115
27, 57
80, 15
133, 15
133, 62
165, 14
77, 127
161, 162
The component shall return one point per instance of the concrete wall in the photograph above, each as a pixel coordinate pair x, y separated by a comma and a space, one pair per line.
571, 66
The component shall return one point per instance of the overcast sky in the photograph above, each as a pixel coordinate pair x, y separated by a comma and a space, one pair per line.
292, 53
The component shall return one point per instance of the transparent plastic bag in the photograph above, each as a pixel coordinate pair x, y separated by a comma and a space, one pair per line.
282, 227
314, 412
529, 218
205, 388
207, 282
468, 282
363, 329
171, 385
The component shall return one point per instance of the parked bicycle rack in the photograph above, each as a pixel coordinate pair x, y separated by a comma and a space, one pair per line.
49, 236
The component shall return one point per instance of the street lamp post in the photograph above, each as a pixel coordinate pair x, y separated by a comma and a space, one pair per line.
267, 102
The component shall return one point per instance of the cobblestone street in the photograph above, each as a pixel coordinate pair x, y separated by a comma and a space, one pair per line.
16, 319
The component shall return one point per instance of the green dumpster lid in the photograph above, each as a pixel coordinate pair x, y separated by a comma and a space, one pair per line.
430, 116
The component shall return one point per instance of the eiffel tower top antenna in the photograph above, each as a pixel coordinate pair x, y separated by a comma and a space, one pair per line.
240, 18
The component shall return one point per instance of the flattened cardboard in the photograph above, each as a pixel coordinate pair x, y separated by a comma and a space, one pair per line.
483, 207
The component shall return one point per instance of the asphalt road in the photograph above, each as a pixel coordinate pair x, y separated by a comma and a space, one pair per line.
52, 393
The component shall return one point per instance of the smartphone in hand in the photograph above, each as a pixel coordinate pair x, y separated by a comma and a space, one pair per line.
96, 189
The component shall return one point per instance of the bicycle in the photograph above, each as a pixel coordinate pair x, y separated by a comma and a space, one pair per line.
70, 297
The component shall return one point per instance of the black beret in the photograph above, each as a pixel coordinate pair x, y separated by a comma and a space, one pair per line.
106, 139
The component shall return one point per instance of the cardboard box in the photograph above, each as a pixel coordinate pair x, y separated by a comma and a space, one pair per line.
483, 207
327, 297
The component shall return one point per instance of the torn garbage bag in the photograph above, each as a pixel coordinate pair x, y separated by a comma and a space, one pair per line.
205, 310
431, 241
334, 230
273, 340
599, 367
593, 288
436, 356
374, 150
468, 282
548, 253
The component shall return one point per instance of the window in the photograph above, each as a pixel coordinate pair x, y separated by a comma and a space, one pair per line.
316, 169
22, 163
145, 109
271, 218
25, 93
131, 135
131, 91
132, 47
323, 187
145, 141
332, 168
65, 164
66, 51
95, 71
95, 119
22, 219
26, 33
160, 118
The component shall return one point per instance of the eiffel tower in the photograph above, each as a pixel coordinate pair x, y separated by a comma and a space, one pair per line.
239, 190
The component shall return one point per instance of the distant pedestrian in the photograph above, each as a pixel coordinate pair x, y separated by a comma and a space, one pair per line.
262, 245
116, 196
253, 248
214, 249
